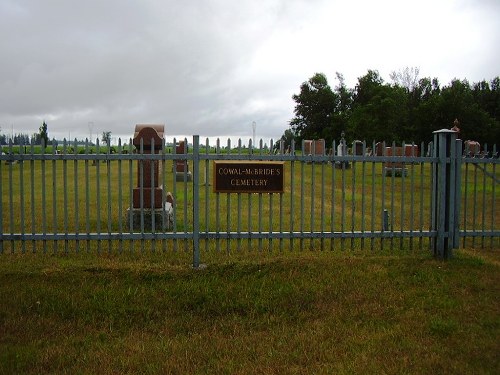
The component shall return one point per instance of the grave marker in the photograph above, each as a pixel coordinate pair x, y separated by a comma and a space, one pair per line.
149, 205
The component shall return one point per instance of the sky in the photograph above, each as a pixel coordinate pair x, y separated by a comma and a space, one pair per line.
215, 67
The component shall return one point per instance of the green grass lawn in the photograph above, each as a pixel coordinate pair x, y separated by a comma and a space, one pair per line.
249, 313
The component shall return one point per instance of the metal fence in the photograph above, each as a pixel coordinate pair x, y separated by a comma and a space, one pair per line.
79, 199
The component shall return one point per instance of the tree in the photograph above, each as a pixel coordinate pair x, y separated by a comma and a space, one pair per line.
408, 110
407, 78
106, 137
378, 111
314, 110
286, 138
44, 135
343, 107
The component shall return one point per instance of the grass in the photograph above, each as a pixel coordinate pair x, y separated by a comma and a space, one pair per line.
293, 313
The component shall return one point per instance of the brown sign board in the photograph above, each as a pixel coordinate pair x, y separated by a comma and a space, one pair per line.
248, 177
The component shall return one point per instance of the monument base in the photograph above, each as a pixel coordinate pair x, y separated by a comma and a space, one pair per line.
179, 176
163, 218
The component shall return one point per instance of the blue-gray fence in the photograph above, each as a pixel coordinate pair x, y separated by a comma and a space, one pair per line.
80, 198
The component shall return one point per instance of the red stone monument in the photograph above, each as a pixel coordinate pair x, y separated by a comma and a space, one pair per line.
148, 195
181, 166
152, 142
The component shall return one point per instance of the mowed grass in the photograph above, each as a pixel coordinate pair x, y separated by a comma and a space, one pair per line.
249, 313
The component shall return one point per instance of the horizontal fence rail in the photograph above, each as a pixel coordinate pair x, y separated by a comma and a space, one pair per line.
76, 197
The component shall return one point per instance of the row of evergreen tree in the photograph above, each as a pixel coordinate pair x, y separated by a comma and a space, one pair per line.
408, 109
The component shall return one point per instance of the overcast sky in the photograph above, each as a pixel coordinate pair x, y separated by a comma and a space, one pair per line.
213, 67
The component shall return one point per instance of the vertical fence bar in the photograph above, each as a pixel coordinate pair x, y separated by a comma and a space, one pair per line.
332, 208
238, 210
249, 221
108, 193
11, 199
313, 193
353, 200
464, 202
54, 196
65, 194
474, 207
249, 215
292, 194
260, 206
120, 197
196, 201
483, 215
393, 188
281, 223
186, 226
282, 152
402, 197
421, 216
382, 210
412, 195
493, 203
76, 200
21, 188
302, 194
260, 221
270, 221
44, 199
271, 196
1, 207
141, 189
458, 193
98, 194
32, 192
228, 208
451, 187
322, 217
207, 192
87, 195
152, 192
131, 195
373, 195
174, 190
228, 221
363, 193
217, 208
163, 181
342, 220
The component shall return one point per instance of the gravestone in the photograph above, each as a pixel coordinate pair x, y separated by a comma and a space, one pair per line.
152, 206
399, 169
472, 148
314, 147
181, 166
358, 148
379, 149
342, 151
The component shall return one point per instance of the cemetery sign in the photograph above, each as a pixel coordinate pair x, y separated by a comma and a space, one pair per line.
248, 177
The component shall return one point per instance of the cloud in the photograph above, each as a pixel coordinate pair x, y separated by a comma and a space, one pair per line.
213, 67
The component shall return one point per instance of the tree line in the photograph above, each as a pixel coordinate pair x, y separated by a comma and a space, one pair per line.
42, 136
407, 109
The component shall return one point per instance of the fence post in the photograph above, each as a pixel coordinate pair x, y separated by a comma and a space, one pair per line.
196, 201
444, 190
